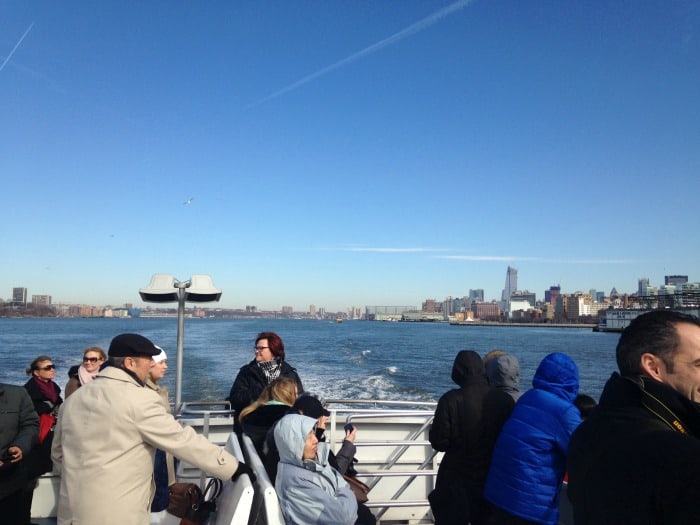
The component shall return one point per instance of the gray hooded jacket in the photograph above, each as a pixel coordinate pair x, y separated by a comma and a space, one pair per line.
311, 492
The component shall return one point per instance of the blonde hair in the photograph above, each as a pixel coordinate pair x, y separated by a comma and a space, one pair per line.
97, 349
282, 389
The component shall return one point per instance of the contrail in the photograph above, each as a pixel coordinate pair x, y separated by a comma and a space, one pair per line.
396, 37
7, 59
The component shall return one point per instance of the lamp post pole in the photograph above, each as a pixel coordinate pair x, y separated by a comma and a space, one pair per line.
180, 340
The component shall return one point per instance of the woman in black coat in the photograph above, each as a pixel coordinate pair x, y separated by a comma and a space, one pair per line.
45, 395
268, 365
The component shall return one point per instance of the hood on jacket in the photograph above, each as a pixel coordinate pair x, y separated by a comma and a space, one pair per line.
290, 437
557, 373
467, 364
503, 371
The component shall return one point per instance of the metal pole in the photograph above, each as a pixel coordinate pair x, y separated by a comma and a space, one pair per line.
180, 341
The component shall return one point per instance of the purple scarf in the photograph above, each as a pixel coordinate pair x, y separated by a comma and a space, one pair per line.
48, 389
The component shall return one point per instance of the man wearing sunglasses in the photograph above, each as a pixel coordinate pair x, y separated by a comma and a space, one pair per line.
106, 438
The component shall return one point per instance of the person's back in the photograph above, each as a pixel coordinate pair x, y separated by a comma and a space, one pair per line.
529, 459
503, 373
636, 458
465, 427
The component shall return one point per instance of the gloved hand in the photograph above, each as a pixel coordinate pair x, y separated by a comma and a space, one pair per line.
243, 469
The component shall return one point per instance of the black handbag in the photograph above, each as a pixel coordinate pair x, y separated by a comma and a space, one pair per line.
195, 507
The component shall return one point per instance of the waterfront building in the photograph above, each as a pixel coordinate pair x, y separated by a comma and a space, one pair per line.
430, 306
19, 296
510, 288
526, 296
41, 300
312, 310
486, 311
386, 313
289, 310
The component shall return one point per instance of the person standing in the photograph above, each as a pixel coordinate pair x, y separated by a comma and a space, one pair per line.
636, 458
466, 424
529, 460
164, 463
106, 436
19, 429
46, 397
93, 358
269, 364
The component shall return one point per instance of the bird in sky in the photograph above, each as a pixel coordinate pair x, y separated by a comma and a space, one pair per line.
188, 201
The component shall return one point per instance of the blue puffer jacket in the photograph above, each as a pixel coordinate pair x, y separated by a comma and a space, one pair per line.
529, 459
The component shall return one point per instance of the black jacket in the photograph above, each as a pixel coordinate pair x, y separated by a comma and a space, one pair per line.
19, 426
466, 424
251, 381
627, 465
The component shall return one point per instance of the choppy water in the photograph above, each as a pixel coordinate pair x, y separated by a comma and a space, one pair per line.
356, 359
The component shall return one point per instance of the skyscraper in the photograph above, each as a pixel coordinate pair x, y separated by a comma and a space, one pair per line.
511, 283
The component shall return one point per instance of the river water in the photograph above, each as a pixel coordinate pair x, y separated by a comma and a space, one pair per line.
353, 359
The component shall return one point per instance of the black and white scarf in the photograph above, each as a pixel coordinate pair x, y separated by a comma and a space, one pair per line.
271, 369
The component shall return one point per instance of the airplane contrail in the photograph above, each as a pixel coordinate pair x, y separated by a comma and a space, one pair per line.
404, 33
7, 59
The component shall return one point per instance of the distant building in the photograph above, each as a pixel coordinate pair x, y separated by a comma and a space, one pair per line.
643, 286
386, 313
19, 296
476, 296
287, 310
41, 300
486, 311
675, 279
550, 296
312, 310
529, 297
430, 306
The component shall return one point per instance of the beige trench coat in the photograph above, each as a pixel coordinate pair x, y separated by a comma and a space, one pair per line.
104, 445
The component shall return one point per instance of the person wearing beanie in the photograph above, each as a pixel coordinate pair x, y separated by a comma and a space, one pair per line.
106, 437
267, 365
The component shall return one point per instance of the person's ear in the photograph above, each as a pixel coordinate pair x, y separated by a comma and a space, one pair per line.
652, 366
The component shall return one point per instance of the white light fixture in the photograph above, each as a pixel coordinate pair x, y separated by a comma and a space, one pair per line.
164, 288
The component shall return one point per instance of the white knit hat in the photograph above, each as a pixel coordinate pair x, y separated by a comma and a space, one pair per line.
160, 357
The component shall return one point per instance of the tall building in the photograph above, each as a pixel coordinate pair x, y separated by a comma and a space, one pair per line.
643, 286
312, 310
19, 296
511, 284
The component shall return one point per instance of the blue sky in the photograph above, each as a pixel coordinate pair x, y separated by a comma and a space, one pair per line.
347, 153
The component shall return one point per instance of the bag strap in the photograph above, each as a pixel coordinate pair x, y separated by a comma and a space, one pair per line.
212, 490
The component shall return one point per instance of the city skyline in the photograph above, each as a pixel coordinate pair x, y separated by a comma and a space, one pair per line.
344, 153
313, 306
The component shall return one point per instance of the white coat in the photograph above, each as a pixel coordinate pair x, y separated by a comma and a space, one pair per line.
104, 445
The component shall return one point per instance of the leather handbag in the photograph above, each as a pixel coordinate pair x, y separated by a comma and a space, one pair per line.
195, 507
46, 424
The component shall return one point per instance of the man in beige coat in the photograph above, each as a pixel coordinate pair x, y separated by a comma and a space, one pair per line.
106, 436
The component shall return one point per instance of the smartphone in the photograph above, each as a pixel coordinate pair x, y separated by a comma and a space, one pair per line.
348, 427
7, 457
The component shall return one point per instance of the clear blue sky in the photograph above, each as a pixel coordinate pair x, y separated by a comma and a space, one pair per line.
347, 153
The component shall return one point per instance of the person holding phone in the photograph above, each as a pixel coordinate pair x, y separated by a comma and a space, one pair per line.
19, 429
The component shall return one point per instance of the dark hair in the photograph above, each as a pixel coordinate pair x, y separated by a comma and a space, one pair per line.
653, 333
585, 405
34, 365
275, 343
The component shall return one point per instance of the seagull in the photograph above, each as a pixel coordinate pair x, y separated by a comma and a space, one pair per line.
188, 201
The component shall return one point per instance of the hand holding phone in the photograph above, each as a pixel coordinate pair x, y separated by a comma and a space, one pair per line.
348, 428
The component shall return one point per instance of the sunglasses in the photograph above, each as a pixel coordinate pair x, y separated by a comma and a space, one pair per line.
46, 368
91, 359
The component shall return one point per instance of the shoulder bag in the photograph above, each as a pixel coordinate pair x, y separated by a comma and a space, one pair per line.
187, 501
359, 489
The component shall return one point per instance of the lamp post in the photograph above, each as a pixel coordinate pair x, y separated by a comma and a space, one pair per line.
164, 288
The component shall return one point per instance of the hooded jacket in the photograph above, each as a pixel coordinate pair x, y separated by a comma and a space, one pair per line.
503, 372
311, 492
19, 427
529, 459
466, 424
